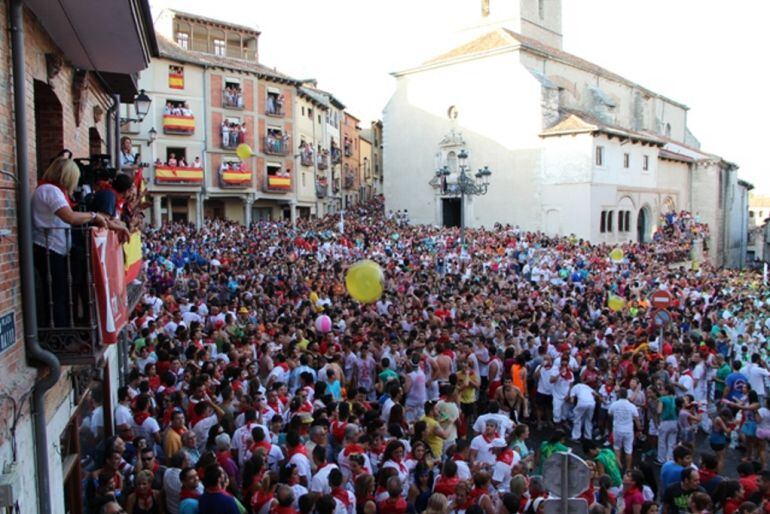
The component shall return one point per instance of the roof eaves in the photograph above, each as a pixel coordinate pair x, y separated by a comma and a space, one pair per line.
431, 65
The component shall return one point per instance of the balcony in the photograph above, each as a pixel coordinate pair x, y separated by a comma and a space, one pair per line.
178, 125
178, 175
348, 151
323, 162
234, 138
274, 106
336, 155
350, 180
306, 158
278, 184
230, 178
232, 100
321, 187
275, 146
68, 295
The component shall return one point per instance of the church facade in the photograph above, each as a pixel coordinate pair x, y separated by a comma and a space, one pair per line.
574, 148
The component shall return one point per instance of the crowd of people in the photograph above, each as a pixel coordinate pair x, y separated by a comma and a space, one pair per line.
233, 134
677, 233
447, 395
233, 96
176, 109
180, 162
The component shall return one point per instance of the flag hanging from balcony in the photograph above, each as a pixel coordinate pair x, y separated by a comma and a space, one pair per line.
176, 78
132, 252
109, 279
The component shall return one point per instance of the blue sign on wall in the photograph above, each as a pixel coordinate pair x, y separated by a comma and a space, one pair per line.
7, 331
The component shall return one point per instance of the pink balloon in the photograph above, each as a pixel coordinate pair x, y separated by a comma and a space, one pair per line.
323, 324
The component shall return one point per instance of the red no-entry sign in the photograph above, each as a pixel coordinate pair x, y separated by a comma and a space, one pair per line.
661, 299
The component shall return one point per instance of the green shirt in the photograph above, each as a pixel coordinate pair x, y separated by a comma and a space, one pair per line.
547, 449
388, 374
607, 459
722, 373
669, 408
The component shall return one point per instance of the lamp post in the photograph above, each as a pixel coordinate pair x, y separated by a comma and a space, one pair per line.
466, 184
141, 107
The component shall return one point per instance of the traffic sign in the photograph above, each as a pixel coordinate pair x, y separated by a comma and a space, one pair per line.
556, 506
661, 299
566, 475
661, 318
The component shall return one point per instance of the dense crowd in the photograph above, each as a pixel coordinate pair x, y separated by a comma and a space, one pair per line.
476, 365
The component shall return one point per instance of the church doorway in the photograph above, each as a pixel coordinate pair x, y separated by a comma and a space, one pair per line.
642, 224
451, 212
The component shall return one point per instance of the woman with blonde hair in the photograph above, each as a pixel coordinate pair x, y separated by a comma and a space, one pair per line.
53, 216
144, 500
437, 504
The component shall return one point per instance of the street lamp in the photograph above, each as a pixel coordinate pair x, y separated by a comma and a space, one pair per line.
152, 135
141, 108
466, 184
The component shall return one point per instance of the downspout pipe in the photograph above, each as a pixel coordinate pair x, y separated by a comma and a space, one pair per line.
116, 128
40, 357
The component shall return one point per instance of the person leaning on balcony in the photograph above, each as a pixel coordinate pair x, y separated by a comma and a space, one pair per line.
127, 159
53, 216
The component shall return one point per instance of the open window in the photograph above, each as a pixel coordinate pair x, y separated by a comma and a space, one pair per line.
176, 156
233, 132
175, 76
278, 177
232, 95
178, 118
306, 152
275, 100
276, 142
233, 172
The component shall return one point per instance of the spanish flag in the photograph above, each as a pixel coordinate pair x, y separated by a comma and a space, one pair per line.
236, 177
175, 81
178, 175
183, 124
132, 252
282, 183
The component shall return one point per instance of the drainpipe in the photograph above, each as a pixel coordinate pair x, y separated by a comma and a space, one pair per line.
35, 353
118, 149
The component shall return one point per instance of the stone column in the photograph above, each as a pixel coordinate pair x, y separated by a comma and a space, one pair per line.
156, 218
248, 203
293, 212
198, 210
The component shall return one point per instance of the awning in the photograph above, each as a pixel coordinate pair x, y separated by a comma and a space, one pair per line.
114, 36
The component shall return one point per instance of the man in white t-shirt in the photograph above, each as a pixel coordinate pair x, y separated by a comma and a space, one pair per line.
505, 460
320, 481
584, 399
625, 416
757, 374
481, 445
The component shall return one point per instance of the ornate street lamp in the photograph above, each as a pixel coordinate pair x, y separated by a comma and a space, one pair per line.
466, 184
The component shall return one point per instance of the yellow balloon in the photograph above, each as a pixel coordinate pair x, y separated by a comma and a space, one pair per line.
616, 255
615, 303
243, 151
365, 281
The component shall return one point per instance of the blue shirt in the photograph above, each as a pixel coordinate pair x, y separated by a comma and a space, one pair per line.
732, 382
217, 503
670, 473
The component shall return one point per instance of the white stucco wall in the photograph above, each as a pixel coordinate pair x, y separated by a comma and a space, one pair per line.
499, 119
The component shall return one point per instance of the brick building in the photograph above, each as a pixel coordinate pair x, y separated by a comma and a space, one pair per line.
74, 74
211, 69
351, 167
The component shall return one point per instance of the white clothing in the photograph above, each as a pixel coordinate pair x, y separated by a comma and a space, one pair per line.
46, 200
320, 481
483, 449
623, 413
202, 428
504, 423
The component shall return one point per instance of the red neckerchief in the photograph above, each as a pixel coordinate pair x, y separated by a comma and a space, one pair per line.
279, 509
608, 388
477, 492
457, 457
321, 466
506, 457
341, 494
259, 500
262, 444
567, 375
353, 449
140, 417
180, 430
400, 465
66, 194
490, 439
299, 449
188, 493
446, 486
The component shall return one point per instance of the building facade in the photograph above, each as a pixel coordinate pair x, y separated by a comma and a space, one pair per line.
573, 148
759, 212
72, 85
351, 171
373, 135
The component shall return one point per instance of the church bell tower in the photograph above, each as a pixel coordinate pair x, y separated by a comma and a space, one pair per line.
537, 19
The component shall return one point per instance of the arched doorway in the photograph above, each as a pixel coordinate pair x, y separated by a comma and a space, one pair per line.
642, 225
49, 130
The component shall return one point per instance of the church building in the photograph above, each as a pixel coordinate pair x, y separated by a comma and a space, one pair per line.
573, 148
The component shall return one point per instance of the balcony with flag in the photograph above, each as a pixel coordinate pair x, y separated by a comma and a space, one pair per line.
234, 175
178, 119
277, 179
179, 175
276, 143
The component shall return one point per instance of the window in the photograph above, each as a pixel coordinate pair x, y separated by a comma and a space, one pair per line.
751, 214
609, 221
319, 118
628, 221
621, 222
176, 77
176, 156
603, 222
646, 163
183, 40
626, 160
310, 112
600, 156
303, 110
541, 8
668, 130
219, 47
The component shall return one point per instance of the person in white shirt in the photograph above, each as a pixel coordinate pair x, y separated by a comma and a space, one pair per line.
584, 399
506, 459
757, 373
320, 481
481, 445
501, 420
561, 380
625, 416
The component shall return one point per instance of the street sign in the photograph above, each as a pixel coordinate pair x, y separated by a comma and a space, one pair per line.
661, 318
661, 299
574, 506
566, 475
7, 330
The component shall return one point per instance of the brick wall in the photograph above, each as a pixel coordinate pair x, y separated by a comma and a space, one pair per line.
216, 91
